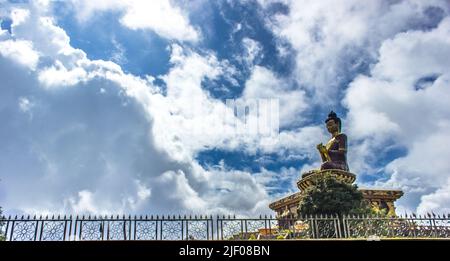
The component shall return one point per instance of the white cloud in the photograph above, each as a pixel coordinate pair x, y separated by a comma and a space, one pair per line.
20, 51
84, 203
68, 152
263, 84
58, 75
389, 107
163, 17
334, 40
436, 202
25, 104
252, 51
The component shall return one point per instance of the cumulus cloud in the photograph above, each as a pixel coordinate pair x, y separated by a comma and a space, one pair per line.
252, 50
87, 150
334, 40
389, 107
264, 84
162, 17
21, 52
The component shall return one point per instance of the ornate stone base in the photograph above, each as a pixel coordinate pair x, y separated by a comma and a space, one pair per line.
308, 177
378, 198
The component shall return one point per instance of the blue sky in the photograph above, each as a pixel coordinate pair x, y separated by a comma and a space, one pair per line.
98, 97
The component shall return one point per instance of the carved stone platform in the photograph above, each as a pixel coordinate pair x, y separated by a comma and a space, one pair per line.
308, 178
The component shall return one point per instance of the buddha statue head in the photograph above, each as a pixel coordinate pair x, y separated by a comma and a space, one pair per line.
333, 123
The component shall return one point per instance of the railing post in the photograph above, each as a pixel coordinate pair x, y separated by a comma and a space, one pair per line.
12, 229
42, 228
338, 225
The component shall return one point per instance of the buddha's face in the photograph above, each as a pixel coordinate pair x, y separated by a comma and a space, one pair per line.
332, 126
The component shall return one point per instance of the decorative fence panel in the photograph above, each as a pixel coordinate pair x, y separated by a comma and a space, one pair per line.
83, 228
429, 226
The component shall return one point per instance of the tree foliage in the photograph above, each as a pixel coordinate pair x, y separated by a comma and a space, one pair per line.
331, 196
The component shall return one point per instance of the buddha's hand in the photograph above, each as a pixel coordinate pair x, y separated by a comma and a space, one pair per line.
321, 148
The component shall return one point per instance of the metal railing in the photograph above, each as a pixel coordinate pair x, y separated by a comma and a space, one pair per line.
81, 228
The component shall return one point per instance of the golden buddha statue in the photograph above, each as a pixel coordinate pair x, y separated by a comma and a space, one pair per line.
334, 153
